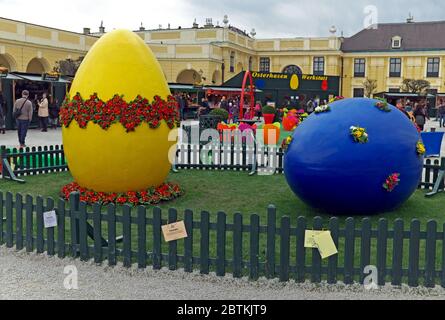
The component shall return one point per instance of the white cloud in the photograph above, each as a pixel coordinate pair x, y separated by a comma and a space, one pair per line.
289, 18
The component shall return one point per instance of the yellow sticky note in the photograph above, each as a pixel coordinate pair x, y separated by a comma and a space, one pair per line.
325, 244
309, 241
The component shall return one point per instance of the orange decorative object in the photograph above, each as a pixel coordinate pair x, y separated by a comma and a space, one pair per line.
289, 123
271, 134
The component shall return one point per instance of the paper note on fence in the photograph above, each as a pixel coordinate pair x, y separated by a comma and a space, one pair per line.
309, 241
325, 244
174, 231
50, 219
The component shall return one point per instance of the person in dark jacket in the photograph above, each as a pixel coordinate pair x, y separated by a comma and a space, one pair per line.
421, 115
2, 115
54, 113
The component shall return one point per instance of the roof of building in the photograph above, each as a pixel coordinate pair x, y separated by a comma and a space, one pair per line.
415, 36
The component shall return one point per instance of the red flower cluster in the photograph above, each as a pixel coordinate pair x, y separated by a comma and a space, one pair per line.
130, 115
165, 192
392, 182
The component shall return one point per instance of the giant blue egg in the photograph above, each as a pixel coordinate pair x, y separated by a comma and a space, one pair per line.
328, 170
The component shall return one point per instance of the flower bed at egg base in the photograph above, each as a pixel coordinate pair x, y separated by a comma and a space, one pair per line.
166, 192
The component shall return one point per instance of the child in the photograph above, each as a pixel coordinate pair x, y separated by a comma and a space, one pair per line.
258, 109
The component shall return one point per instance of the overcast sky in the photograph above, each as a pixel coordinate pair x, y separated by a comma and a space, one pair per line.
270, 18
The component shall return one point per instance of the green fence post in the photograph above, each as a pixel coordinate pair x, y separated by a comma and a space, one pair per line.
397, 258
51, 245
83, 237
188, 242
205, 238
126, 230
237, 245
74, 223
349, 250
19, 221
61, 229
382, 242
97, 225
285, 249
301, 250
430, 265
414, 254
333, 261
157, 248
316, 258
111, 213
173, 245
9, 221
142, 237
40, 243
271, 233
2, 206
254, 246
29, 223
443, 256
221, 245
365, 247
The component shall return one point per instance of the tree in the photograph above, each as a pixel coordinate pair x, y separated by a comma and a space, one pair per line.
68, 67
370, 86
415, 86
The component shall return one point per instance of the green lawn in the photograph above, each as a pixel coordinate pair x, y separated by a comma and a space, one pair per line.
232, 192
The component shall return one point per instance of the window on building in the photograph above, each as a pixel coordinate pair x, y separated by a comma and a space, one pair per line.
292, 69
396, 42
394, 90
264, 64
359, 68
433, 91
359, 93
395, 67
433, 67
319, 66
232, 61
250, 64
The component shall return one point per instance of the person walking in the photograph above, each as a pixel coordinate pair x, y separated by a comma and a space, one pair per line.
2, 115
224, 104
310, 106
43, 113
441, 113
420, 115
54, 114
23, 114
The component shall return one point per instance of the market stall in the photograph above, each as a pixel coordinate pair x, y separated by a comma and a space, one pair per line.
289, 90
14, 83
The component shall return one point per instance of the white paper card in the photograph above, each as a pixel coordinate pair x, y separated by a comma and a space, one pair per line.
50, 219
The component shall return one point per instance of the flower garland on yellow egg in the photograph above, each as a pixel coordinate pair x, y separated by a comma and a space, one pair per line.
117, 110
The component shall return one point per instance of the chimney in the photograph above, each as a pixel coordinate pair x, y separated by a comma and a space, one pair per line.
101, 28
86, 31
209, 23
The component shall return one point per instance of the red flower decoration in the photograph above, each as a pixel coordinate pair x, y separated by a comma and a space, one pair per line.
392, 182
165, 192
130, 115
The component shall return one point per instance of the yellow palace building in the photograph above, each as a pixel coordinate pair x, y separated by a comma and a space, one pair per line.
212, 55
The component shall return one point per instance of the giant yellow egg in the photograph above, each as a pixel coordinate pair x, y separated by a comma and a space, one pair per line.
113, 159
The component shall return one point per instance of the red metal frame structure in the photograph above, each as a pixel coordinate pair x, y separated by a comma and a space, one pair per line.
251, 93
